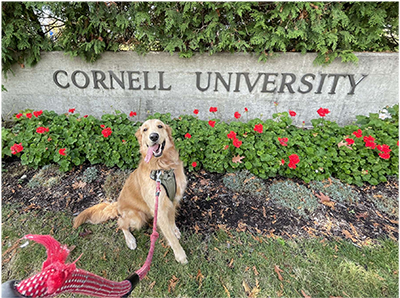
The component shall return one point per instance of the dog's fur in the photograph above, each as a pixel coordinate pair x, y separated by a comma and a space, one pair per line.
135, 205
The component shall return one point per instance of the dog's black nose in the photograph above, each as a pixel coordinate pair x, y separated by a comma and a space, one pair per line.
154, 137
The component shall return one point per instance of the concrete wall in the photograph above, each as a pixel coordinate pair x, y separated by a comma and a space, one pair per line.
159, 82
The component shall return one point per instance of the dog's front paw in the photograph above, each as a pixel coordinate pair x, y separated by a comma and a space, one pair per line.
131, 244
130, 240
183, 261
181, 258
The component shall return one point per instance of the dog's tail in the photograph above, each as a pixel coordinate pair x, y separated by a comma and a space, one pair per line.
97, 214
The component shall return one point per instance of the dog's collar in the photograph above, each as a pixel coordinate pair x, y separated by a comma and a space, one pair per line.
168, 180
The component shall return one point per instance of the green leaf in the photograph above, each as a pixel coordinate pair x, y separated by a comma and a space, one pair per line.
248, 165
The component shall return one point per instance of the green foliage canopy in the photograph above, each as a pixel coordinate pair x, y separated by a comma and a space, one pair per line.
87, 29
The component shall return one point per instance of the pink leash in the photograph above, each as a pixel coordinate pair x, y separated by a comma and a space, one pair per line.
57, 277
154, 236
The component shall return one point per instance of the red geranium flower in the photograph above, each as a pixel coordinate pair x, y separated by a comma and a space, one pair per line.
71, 111
323, 112
371, 145
107, 132
62, 151
369, 142
38, 113
231, 135
85, 116
384, 155
29, 115
237, 115
258, 128
320, 112
188, 135
16, 148
282, 162
384, 148
358, 133
292, 165
18, 115
226, 147
246, 110
102, 126
211, 123
369, 139
213, 109
42, 129
283, 141
350, 141
292, 113
194, 164
237, 143
196, 111
132, 114
294, 158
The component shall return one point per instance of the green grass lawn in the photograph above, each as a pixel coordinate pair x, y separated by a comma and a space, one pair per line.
228, 264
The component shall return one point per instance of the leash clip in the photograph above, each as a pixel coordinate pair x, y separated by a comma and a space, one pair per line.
158, 176
158, 182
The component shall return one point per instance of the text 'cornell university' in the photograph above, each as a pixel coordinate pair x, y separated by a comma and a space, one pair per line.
263, 82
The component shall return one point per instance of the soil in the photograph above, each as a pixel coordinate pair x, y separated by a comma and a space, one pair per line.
208, 205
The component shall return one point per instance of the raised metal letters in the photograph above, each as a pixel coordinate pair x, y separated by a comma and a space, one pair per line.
262, 82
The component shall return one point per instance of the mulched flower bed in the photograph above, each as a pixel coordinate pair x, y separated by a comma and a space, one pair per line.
208, 205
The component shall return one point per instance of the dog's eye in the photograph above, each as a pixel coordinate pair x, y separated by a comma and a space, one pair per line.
145, 129
160, 126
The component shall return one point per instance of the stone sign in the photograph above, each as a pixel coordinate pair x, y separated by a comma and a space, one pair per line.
159, 82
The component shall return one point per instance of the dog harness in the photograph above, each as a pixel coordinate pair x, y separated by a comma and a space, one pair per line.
168, 180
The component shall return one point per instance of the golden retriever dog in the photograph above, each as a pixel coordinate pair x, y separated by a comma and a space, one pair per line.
135, 204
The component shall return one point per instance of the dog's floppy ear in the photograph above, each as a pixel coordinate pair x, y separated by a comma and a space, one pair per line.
169, 131
138, 136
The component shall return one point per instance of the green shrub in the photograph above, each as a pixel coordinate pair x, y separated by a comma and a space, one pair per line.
89, 175
320, 153
48, 176
87, 29
335, 190
384, 203
22, 36
245, 183
81, 137
293, 196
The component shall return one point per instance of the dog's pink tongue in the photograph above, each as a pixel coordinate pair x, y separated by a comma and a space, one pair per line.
149, 154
